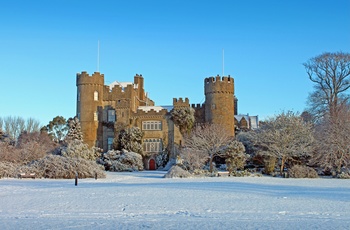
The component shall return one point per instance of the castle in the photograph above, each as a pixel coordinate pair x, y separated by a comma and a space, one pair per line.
100, 108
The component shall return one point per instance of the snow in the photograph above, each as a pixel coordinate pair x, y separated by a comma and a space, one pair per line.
145, 200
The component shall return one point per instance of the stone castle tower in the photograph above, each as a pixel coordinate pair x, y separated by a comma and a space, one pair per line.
89, 98
220, 102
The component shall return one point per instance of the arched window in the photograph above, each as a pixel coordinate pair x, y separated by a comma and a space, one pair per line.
95, 96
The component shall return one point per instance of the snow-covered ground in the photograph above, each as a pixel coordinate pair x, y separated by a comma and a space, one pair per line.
145, 200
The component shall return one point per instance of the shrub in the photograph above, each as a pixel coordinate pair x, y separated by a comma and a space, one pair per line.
55, 167
302, 171
8, 169
118, 161
343, 175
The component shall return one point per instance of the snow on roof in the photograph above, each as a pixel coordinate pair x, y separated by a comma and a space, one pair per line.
148, 108
122, 84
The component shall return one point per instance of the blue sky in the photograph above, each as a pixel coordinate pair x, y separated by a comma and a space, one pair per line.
173, 44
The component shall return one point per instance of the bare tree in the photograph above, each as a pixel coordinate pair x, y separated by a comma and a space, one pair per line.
32, 125
193, 160
211, 139
1, 123
286, 137
14, 126
332, 142
331, 74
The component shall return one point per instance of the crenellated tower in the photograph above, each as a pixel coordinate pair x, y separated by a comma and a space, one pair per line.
89, 100
220, 102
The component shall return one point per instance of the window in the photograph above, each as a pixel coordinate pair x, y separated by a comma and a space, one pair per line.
152, 145
95, 116
95, 96
110, 143
111, 115
78, 96
78, 115
151, 125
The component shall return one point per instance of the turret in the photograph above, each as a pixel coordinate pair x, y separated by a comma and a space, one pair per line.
219, 102
89, 102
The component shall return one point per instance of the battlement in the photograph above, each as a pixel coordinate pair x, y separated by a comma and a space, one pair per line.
219, 85
181, 103
150, 111
197, 106
219, 79
84, 78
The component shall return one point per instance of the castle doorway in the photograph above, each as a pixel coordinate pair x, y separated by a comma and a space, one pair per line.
152, 164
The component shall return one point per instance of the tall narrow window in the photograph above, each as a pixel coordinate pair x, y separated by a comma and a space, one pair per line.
111, 115
78, 96
95, 96
110, 143
95, 116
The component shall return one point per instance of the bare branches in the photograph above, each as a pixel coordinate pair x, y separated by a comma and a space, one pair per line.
332, 146
208, 138
331, 74
14, 126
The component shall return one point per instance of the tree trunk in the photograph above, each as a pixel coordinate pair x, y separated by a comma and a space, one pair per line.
283, 161
211, 164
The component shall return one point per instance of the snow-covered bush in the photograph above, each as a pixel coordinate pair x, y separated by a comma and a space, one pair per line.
343, 175
77, 148
236, 157
302, 171
177, 172
55, 167
118, 161
8, 169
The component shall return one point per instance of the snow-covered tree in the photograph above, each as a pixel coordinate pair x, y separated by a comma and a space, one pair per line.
78, 149
235, 156
183, 117
74, 130
130, 139
286, 137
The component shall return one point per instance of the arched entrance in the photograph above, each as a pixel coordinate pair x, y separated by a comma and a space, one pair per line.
152, 164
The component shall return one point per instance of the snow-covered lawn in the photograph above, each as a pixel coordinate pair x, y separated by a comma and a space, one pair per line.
145, 200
